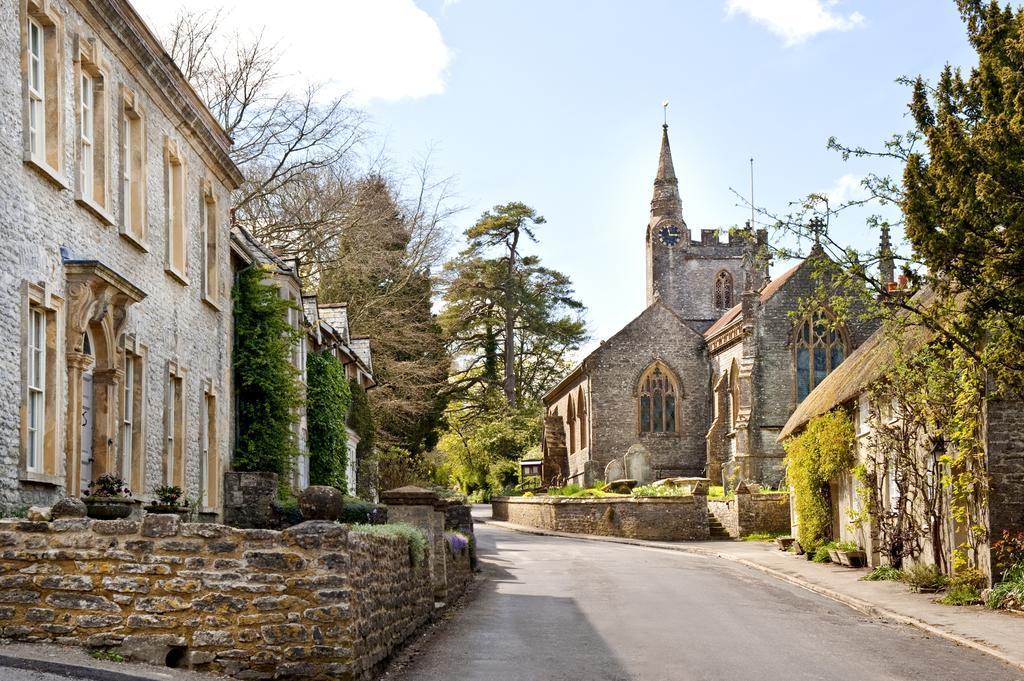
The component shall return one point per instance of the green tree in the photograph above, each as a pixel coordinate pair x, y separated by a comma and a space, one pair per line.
360, 420
511, 322
328, 397
964, 194
266, 383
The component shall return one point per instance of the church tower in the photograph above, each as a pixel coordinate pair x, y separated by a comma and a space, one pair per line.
700, 280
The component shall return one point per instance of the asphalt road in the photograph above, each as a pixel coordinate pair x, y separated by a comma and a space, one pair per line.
558, 609
10, 674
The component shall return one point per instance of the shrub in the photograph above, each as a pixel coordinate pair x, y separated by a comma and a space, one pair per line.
503, 476
1009, 593
848, 546
924, 577
480, 496
328, 397
355, 510
169, 495
1009, 549
412, 534
266, 383
107, 486
821, 553
820, 454
884, 573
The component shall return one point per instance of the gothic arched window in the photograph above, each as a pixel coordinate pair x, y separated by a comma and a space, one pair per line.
820, 348
657, 394
723, 290
570, 420
581, 415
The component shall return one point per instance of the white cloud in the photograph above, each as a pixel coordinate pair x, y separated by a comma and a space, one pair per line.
846, 188
796, 20
377, 49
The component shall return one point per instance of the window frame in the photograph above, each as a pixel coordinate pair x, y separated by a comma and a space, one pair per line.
723, 290
133, 466
209, 460
44, 140
835, 337
658, 406
41, 442
176, 218
210, 205
133, 165
93, 136
175, 450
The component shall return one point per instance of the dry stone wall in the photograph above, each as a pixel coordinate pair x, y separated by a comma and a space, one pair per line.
313, 601
752, 513
655, 518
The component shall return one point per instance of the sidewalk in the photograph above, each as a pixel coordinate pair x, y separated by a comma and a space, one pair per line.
76, 663
999, 634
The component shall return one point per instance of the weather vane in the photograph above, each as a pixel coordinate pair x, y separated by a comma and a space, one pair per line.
664, 109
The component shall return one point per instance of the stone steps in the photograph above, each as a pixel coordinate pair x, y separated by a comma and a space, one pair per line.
715, 528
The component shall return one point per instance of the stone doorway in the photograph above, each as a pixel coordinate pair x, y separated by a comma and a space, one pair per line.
99, 300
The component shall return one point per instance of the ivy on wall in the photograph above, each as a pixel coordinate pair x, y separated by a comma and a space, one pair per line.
360, 419
267, 389
328, 397
818, 455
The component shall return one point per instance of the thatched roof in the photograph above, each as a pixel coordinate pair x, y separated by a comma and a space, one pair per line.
865, 366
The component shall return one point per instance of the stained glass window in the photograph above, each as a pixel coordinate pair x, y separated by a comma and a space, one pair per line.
820, 348
657, 401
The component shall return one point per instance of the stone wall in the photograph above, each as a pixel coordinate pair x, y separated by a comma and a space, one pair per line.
315, 600
752, 513
655, 518
1004, 444
460, 573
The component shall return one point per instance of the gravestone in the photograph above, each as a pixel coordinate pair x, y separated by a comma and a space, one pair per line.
615, 470
637, 463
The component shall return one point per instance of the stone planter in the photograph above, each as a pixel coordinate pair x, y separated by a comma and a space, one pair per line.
110, 508
854, 559
833, 555
181, 511
784, 543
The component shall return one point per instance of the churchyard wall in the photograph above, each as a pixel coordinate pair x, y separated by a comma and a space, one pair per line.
654, 518
752, 513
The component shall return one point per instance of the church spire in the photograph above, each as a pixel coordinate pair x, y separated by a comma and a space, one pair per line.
666, 202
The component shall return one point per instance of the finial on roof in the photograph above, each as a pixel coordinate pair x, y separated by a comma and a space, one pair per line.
886, 263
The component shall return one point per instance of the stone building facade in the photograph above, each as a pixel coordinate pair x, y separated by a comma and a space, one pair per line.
114, 272
705, 377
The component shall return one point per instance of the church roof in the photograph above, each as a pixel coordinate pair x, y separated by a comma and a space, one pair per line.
865, 365
766, 293
581, 369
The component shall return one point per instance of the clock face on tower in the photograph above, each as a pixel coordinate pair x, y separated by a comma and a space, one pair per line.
670, 235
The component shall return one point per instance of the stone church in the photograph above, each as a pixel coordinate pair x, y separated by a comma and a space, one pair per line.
702, 380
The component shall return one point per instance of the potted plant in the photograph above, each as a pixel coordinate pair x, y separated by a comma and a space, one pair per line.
108, 498
850, 554
169, 500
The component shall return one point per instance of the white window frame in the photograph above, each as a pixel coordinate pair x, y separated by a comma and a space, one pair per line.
86, 132
128, 417
36, 87
36, 413
176, 261
210, 247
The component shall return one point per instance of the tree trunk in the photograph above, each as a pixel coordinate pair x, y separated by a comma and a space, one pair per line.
510, 323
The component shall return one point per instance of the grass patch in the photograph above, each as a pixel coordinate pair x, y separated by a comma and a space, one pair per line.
663, 491
717, 493
107, 655
764, 536
580, 492
884, 573
412, 534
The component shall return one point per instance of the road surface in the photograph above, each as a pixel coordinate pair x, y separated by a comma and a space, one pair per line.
557, 609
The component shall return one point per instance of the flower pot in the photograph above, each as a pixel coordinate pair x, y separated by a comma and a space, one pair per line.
835, 557
108, 508
852, 559
181, 511
784, 543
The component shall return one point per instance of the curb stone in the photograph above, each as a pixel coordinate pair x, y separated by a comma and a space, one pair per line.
65, 669
849, 601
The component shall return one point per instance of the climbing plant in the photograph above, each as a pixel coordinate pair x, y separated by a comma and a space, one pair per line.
360, 420
926, 458
266, 383
818, 455
328, 397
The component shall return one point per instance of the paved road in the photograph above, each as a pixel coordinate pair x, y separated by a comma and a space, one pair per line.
556, 609
9, 674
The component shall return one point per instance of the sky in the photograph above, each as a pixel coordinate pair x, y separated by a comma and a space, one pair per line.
558, 104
